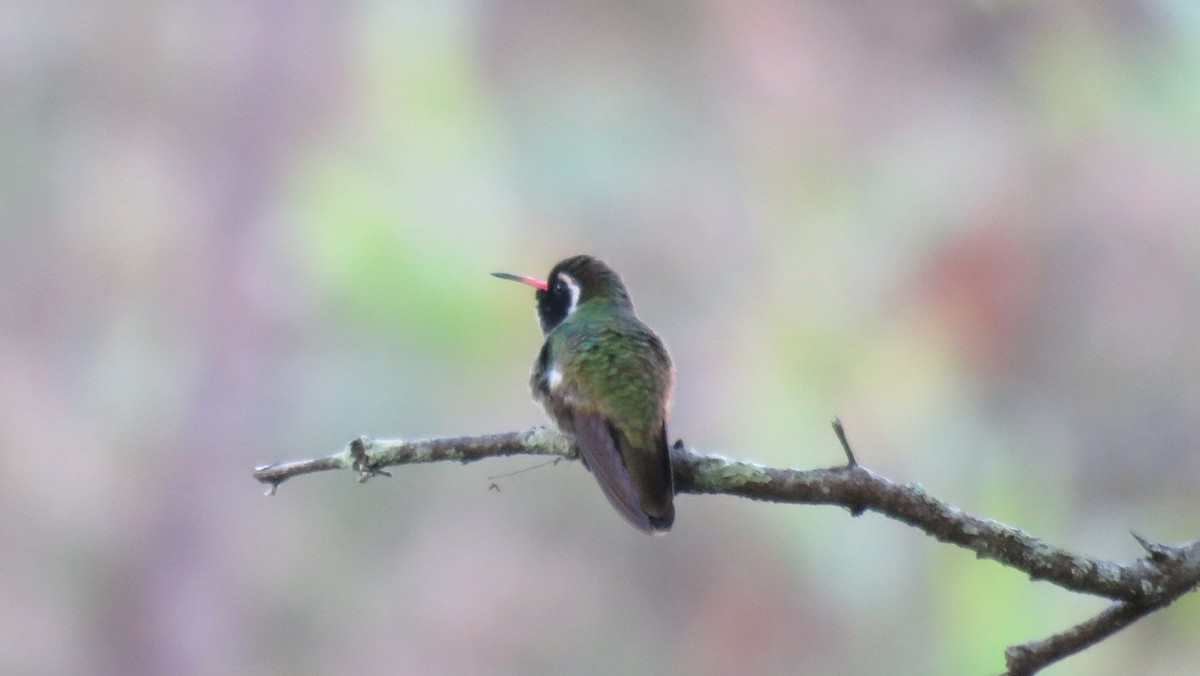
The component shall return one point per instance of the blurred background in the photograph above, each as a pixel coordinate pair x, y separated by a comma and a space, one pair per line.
234, 233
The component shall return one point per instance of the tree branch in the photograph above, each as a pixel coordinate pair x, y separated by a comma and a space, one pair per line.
1138, 587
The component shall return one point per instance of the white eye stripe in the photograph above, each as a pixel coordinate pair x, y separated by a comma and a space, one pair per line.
573, 288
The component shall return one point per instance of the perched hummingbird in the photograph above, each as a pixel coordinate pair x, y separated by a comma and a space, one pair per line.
604, 377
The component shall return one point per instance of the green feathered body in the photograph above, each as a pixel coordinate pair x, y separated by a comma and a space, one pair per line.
603, 373
605, 378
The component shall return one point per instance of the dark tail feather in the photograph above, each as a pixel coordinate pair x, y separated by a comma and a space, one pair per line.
662, 524
665, 483
598, 448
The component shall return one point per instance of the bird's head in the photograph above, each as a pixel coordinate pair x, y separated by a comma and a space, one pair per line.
572, 283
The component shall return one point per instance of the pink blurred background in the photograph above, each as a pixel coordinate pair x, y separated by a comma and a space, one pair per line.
240, 232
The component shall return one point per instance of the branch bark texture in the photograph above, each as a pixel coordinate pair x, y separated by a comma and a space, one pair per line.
1137, 587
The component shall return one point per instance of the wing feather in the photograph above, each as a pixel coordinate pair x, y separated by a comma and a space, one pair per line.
597, 444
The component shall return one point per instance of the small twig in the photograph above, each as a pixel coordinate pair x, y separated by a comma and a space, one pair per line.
841, 435
362, 462
372, 455
1029, 658
856, 509
515, 472
275, 474
1158, 552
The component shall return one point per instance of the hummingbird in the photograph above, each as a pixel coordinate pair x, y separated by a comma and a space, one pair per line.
605, 378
